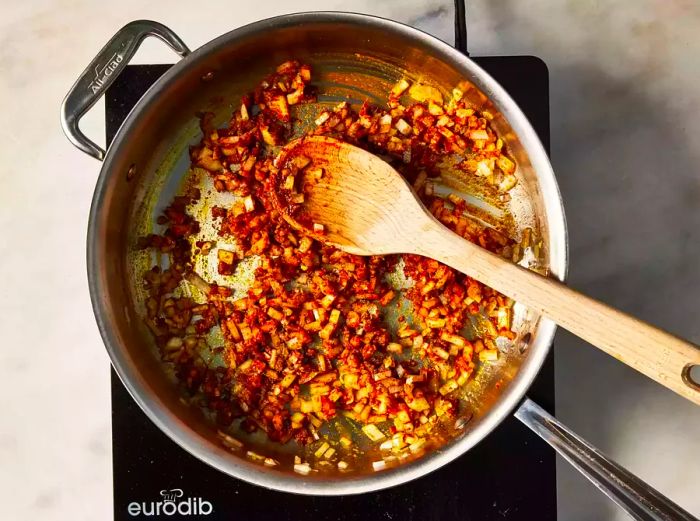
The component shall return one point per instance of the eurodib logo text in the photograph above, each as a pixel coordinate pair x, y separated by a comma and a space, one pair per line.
172, 503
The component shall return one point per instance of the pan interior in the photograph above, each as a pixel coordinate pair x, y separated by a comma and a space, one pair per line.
362, 67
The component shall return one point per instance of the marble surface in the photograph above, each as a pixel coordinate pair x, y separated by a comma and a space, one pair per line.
625, 146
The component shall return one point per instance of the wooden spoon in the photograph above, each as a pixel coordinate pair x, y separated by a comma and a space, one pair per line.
367, 208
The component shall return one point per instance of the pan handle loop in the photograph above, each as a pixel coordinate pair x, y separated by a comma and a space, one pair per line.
636, 497
102, 72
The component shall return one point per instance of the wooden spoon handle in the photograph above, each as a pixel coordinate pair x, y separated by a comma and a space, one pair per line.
651, 351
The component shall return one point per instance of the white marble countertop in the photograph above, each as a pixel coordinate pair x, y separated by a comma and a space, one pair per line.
625, 146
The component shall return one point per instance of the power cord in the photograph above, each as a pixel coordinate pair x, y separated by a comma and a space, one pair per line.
461, 26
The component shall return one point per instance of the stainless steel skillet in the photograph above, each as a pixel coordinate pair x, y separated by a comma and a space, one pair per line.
354, 56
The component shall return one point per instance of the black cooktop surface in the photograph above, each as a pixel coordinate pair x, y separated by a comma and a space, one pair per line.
510, 475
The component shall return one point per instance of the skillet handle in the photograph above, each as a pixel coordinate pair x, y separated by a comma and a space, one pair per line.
102, 72
637, 498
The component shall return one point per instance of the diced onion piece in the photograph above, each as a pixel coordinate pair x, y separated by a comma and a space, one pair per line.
453, 339
322, 118
327, 300
435, 323
289, 183
443, 121
174, 343
312, 405
488, 355
342, 465
419, 404
322, 449
394, 347
427, 288
478, 135
329, 453
400, 87
295, 97
449, 386
441, 353
421, 92
305, 244
268, 138
381, 375
405, 332
225, 256
417, 445
327, 331
233, 329
505, 164
319, 228
508, 182
464, 113
403, 127
504, 318
435, 109
302, 468
372, 432
386, 445
244, 112
249, 203
483, 168
288, 380
269, 462
349, 379
379, 465
273, 313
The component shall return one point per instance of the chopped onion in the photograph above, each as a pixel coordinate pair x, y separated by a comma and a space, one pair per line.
289, 183
488, 355
372, 432
249, 203
322, 449
400, 87
403, 127
302, 468
379, 465
478, 135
